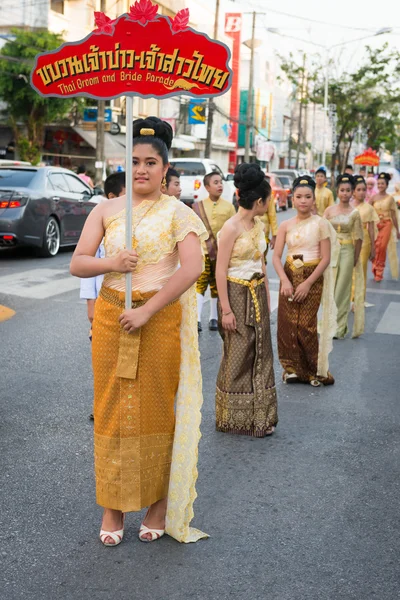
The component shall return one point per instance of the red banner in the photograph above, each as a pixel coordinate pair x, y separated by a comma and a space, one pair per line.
233, 26
140, 53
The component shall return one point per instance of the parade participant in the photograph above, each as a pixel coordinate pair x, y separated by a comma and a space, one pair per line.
372, 189
306, 279
245, 396
347, 223
388, 227
81, 172
172, 185
270, 225
348, 170
214, 212
323, 195
145, 359
369, 219
114, 186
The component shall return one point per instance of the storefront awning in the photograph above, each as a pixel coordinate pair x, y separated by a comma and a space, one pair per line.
113, 149
180, 143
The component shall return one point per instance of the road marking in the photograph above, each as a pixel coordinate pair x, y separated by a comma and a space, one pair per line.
389, 292
6, 313
38, 283
390, 322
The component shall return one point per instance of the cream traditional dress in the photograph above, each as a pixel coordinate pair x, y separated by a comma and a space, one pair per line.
147, 384
349, 229
300, 351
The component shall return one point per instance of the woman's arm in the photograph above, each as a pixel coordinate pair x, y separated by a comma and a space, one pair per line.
303, 289
371, 233
227, 238
286, 286
191, 267
84, 264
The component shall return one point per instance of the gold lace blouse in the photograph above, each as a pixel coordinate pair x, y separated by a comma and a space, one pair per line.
158, 229
348, 226
248, 252
305, 236
384, 207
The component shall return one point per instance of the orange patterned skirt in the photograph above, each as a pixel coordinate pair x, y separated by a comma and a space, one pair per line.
134, 416
297, 325
381, 245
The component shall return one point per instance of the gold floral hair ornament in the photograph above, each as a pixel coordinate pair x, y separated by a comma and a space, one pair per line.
145, 131
382, 176
303, 181
345, 179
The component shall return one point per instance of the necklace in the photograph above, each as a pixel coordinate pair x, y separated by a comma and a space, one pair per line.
135, 241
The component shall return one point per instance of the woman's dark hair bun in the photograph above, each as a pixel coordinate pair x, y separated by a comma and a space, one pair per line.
345, 178
304, 180
162, 129
248, 177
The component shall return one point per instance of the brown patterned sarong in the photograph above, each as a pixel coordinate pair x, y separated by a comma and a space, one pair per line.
297, 324
246, 397
134, 419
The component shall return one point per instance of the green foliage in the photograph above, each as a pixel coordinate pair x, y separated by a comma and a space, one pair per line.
25, 106
366, 98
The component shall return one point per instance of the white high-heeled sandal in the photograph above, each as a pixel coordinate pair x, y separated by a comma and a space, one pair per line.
117, 536
156, 534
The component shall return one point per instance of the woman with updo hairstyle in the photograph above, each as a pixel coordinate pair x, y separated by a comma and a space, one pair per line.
306, 281
147, 378
388, 230
369, 219
245, 397
347, 223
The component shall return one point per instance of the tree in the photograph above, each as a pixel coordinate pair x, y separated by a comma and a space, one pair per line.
367, 99
24, 106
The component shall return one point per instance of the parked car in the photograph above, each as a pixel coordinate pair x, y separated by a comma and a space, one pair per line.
279, 193
292, 173
192, 171
287, 184
43, 207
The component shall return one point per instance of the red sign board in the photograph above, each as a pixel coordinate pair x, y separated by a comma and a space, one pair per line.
140, 53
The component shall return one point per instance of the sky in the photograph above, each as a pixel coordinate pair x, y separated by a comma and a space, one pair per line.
340, 21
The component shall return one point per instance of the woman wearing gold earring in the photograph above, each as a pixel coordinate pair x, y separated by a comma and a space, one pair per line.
147, 379
246, 397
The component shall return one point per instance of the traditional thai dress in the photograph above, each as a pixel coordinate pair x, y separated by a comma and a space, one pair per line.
349, 229
299, 349
145, 449
386, 239
246, 397
323, 199
368, 215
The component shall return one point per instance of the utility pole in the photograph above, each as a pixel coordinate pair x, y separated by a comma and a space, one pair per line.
250, 92
210, 117
100, 158
300, 113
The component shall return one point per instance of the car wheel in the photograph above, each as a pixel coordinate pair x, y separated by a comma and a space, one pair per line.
51, 239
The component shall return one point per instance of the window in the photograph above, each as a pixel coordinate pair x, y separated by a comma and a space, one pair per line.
189, 168
58, 182
216, 169
57, 6
76, 185
16, 178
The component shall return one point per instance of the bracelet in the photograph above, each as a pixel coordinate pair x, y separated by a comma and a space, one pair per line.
226, 314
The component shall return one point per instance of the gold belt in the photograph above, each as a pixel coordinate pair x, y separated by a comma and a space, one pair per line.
252, 285
297, 263
118, 298
346, 242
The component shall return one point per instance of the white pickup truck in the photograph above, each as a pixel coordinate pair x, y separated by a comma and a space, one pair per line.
192, 171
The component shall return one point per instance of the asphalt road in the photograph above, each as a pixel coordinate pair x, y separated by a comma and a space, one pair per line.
309, 514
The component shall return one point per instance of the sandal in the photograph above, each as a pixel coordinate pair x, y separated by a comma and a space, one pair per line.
290, 378
156, 534
114, 535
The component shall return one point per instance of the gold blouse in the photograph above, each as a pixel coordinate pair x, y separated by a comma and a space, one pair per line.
157, 226
305, 236
323, 199
248, 252
348, 226
384, 207
367, 213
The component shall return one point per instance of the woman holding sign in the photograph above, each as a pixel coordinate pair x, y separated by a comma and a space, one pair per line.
146, 358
